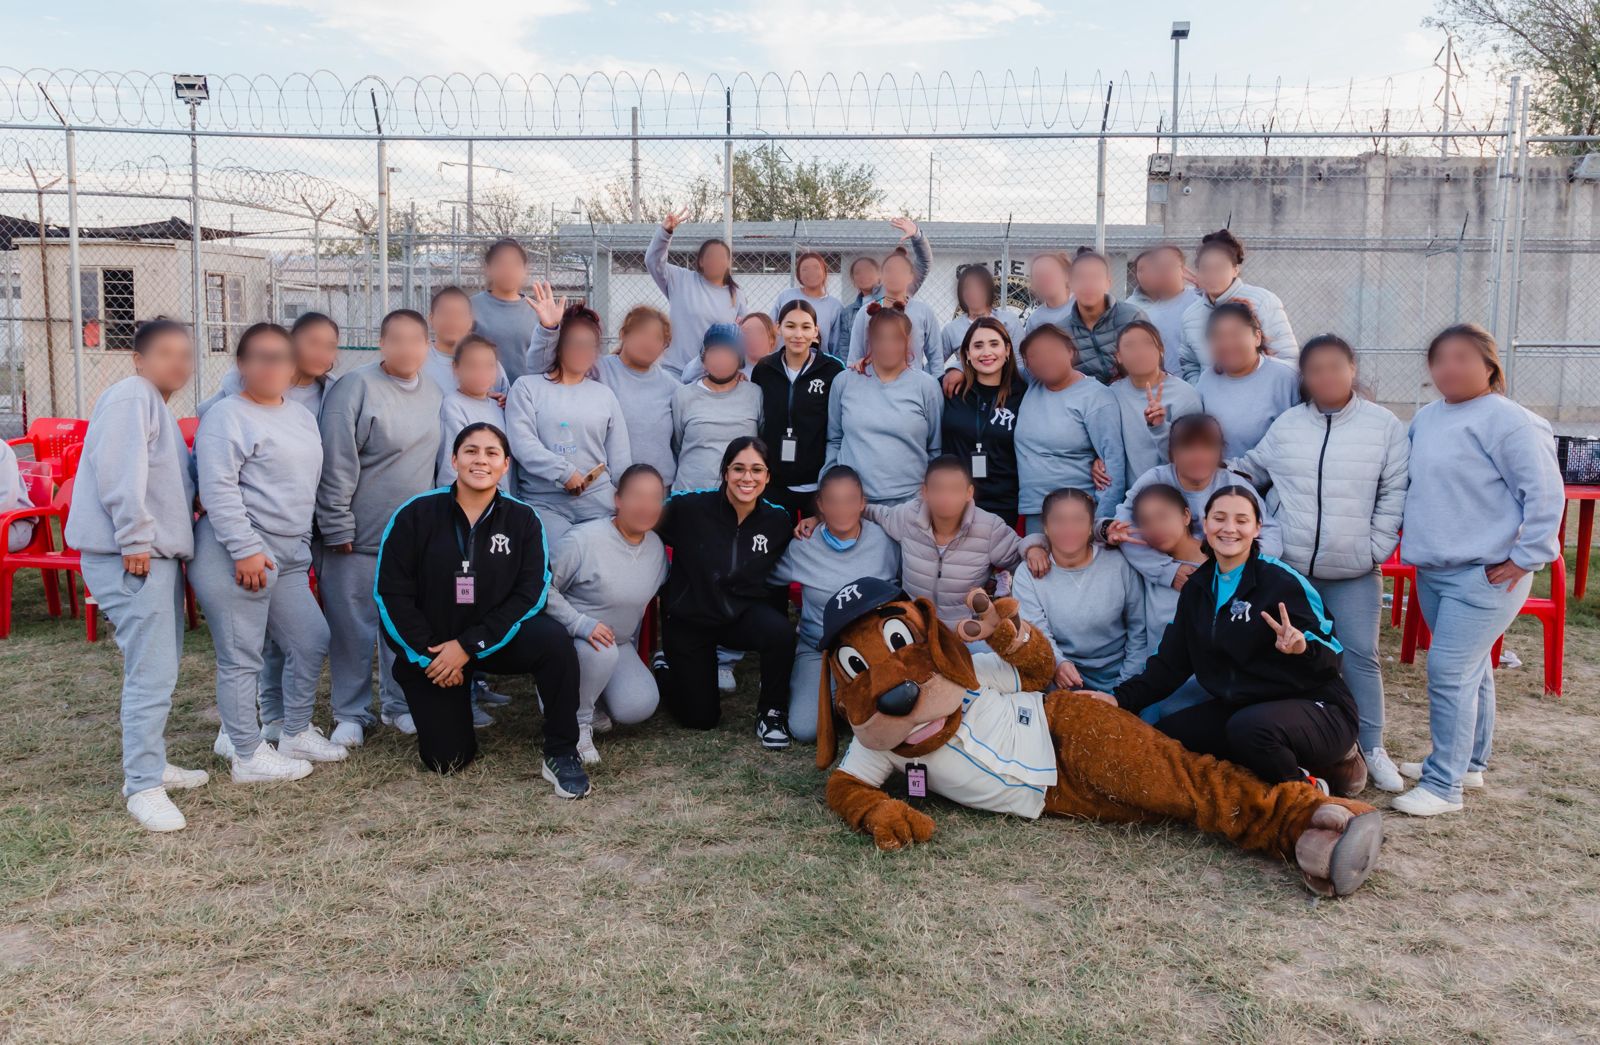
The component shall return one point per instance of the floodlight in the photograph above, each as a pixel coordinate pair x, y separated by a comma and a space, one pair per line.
190, 88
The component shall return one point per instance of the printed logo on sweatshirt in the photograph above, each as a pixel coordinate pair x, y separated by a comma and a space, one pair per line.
1239, 610
759, 543
500, 544
1004, 418
1024, 716
816, 386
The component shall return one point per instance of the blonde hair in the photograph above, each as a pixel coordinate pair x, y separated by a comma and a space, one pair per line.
639, 315
1480, 339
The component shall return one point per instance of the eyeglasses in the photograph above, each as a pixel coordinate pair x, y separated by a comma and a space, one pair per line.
757, 470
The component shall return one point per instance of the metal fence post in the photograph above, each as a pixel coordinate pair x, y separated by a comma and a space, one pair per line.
633, 190
197, 310
75, 274
1502, 201
1100, 176
727, 173
1519, 232
383, 226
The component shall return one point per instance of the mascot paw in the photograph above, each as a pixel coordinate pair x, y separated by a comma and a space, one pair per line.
1338, 849
988, 616
895, 825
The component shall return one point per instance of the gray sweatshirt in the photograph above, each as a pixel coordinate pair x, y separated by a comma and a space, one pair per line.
886, 431
1485, 486
509, 324
1092, 615
308, 396
1248, 405
693, 302
926, 341
456, 412
598, 577
134, 493
1168, 318
704, 423
440, 369
828, 309
1158, 567
646, 400
921, 262
955, 331
1041, 314
378, 451
14, 497
1143, 446
822, 570
1059, 435
560, 430
257, 470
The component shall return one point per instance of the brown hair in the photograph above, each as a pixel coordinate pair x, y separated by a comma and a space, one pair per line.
1008, 370
1117, 372
1157, 249
1050, 330
1224, 241
639, 315
766, 324
1243, 311
472, 341
890, 315
576, 317
1480, 339
803, 257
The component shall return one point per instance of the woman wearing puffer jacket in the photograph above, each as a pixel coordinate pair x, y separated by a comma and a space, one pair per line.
1217, 265
1337, 465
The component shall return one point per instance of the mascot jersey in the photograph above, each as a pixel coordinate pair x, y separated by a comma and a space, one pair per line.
1001, 758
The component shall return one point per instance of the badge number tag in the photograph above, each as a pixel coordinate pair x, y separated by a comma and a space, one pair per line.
466, 589
786, 451
980, 466
916, 780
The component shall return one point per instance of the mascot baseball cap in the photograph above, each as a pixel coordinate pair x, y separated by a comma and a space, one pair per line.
723, 335
852, 602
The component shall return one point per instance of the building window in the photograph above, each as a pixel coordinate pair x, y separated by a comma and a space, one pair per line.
108, 311
224, 310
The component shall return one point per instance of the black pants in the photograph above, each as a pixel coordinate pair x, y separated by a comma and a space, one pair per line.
542, 648
691, 651
1274, 740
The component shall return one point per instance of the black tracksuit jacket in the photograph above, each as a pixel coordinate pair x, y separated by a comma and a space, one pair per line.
720, 567
1232, 651
973, 418
418, 559
798, 412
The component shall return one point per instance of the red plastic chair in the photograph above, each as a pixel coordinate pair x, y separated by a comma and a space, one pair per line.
188, 426
43, 557
49, 438
1552, 614
1406, 608
40, 485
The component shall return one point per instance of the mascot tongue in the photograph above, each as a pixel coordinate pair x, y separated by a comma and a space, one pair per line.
922, 733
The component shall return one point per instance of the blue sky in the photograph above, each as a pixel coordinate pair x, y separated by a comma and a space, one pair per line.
1323, 42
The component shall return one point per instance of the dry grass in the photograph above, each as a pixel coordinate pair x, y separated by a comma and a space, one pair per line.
705, 893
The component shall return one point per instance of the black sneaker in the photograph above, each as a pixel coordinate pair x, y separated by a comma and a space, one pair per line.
566, 773
772, 729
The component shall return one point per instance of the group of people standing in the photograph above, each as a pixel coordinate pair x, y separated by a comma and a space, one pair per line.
1193, 505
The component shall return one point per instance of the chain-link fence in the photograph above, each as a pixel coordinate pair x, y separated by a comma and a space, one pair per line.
1383, 235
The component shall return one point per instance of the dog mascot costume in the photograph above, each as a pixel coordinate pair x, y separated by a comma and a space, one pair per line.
980, 731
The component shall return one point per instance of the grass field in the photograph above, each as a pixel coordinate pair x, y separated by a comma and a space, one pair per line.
705, 893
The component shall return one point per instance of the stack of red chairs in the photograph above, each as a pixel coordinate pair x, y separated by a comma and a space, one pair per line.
50, 438
42, 554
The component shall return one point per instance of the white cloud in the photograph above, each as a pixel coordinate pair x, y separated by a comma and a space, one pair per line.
789, 30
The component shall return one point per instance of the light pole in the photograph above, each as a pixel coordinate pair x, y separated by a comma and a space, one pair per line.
192, 90
1180, 33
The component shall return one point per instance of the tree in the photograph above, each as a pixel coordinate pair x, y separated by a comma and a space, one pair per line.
501, 211
613, 204
769, 186
1557, 42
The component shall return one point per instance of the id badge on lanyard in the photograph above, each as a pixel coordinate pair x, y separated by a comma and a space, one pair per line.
786, 449
916, 780
466, 585
980, 463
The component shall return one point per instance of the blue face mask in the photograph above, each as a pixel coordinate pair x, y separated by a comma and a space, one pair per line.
836, 543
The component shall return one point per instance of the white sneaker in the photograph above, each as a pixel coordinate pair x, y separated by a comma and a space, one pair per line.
155, 811
1381, 771
602, 722
480, 717
309, 744
272, 731
1471, 780
182, 779
725, 680
348, 734
404, 723
222, 747
586, 748
1419, 801
266, 766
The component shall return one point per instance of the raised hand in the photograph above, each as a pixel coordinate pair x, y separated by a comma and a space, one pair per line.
1119, 531
1154, 413
907, 227
1291, 639
674, 219
542, 299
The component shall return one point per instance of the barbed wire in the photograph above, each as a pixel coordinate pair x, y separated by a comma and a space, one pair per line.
599, 103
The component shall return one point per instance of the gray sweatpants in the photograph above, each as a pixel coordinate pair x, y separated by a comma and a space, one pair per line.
616, 673
345, 581
147, 615
1355, 604
804, 678
241, 622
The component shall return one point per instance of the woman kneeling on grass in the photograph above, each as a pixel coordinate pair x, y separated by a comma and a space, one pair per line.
462, 578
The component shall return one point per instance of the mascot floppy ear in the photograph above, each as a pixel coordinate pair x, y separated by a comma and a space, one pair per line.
827, 737
950, 656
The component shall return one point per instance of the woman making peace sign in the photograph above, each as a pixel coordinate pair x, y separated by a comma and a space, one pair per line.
1149, 398
1255, 635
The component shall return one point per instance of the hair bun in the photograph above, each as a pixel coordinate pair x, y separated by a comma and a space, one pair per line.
1223, 239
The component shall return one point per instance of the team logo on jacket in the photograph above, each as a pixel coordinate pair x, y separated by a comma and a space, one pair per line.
816, 386
1024, 716
1239, 610
500, 543
759, 544
1003, 418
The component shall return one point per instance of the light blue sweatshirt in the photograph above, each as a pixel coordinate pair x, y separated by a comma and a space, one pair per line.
693, 303
257, 468
828, 309
1168, 319
509, 324
1059, 435
599, 578
1146, 447
1092, 615
822, 570
134, 493
1485, 486
308, 396
704, 422
926, 354
440, 369
1041, 314
1248, 405
457, 411
558, 431
646, 399
886, 431
1160, 568
955, 330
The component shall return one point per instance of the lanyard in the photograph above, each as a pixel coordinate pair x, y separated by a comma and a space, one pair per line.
467, 546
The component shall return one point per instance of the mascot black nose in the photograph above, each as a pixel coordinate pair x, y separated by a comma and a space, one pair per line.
900, 700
